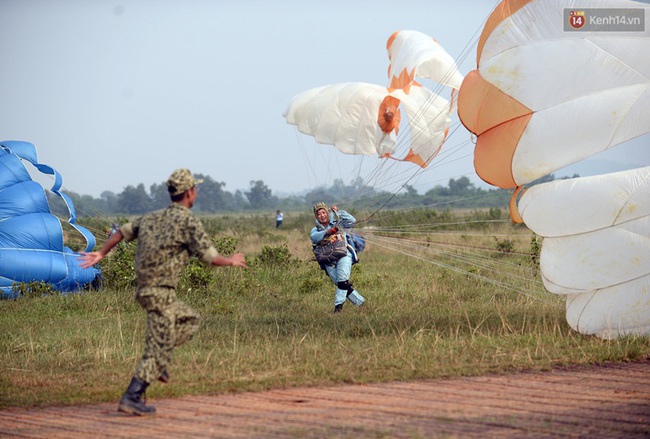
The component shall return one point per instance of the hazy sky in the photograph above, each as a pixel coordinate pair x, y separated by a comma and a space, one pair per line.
117, 93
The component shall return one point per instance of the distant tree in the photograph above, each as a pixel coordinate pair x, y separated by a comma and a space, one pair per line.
356, 195
85, 206
339, 190
438, 191
320, 194
134, 200
544, 179
462, 186
159, 196
411, 191
238, 200
260, 195
108, 202
57, 205
212, 197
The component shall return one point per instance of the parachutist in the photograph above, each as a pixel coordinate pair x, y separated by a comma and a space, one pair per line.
338, 270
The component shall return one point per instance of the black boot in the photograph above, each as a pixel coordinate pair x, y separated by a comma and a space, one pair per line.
164, 377
131, 402
338, 308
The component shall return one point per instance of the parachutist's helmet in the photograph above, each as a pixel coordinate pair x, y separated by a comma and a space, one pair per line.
319, 206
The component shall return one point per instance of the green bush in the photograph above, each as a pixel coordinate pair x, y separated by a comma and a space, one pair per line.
118, 269
274, 256
505, 245
33, 289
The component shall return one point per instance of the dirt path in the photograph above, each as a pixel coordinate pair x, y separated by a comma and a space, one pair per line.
604, 401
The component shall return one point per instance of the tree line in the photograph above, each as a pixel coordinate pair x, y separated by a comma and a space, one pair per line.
213, 198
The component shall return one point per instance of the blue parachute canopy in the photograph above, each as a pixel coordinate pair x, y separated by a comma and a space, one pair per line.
31, 237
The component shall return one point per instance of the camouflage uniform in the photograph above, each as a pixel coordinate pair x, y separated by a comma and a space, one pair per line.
166, 240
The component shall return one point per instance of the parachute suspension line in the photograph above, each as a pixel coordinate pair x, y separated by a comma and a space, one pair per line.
465, 52
418, 172
460, 253
409, 251
417, 117
446, 155
439, 86
303, 152
393, 195
320, 162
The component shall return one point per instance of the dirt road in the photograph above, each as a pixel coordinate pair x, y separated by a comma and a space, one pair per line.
604, 401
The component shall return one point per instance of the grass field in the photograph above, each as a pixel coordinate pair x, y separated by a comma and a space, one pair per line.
427, 315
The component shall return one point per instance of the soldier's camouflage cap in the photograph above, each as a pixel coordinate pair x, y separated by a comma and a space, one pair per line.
180, 181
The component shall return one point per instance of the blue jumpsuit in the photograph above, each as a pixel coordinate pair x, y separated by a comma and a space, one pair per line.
339, 271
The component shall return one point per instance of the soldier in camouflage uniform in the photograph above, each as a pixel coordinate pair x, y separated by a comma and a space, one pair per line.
166, 240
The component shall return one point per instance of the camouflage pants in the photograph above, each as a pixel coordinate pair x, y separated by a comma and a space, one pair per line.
170, 323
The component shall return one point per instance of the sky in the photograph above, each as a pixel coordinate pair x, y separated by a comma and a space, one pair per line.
118, 93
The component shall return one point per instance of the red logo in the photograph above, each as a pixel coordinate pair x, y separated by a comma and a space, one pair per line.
577, 19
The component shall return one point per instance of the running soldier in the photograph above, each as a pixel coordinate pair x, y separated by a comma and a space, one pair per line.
166, 240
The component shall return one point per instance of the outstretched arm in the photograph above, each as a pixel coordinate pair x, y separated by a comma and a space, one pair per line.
236, 260
88, 259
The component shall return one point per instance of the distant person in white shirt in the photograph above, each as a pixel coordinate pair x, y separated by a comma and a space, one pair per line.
278, 219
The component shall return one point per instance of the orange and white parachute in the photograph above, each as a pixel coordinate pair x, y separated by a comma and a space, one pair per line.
413, 54
363, 118
545, 96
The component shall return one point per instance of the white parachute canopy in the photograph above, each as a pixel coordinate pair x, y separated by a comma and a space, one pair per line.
532, 120
596, 248
344, 115
414, 55
363, 118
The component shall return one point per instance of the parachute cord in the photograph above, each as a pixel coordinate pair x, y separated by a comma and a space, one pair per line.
504, 285
391, 197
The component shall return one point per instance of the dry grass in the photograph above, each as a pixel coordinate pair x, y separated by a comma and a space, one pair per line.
271, 326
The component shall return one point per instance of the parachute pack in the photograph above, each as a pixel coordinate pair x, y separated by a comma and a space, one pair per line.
356, 244
326, 254
356, 241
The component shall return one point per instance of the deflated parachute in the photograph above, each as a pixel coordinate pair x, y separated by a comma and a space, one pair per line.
31, 237
363, 118
596, 248
532, 120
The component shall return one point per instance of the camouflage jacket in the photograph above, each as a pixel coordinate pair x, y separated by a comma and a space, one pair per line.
166, 240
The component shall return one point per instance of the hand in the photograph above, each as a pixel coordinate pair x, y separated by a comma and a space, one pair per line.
88, 259
334, 208
238, 260
332, 231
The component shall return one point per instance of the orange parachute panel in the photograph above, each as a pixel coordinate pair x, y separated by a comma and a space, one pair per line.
482, 106
514, 212
495, 149
503, 10
389, 116
418, 160
403, 81
499, 121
